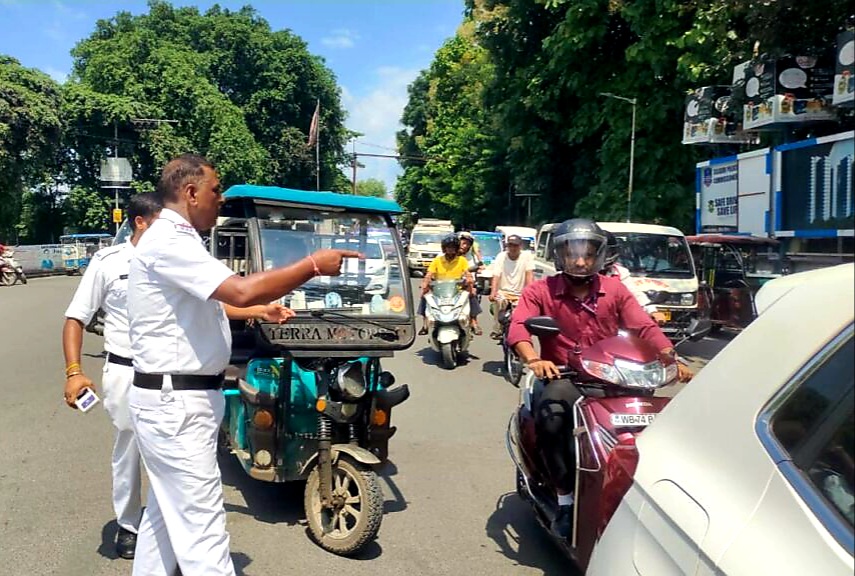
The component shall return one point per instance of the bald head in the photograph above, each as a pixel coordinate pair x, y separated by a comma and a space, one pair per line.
178, 173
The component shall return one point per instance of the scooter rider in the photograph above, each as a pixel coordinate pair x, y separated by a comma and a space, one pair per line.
450, 265
468, 249
613, 268
588, 307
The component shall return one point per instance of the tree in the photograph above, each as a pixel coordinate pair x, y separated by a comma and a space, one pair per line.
87, 210
30, 130
371, 187
530, 116
445, 122
240, 93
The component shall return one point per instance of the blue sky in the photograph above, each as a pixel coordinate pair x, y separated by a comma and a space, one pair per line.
374, 47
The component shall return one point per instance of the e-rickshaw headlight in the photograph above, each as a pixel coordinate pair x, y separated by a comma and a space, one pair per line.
350, 381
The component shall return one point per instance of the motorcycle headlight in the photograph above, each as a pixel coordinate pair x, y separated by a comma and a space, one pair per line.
350, 381
631, 374
687, 298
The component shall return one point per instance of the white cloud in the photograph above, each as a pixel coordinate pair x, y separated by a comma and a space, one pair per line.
341, 38
377, 114
59, 75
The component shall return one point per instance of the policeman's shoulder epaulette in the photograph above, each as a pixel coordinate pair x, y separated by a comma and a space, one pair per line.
108, 251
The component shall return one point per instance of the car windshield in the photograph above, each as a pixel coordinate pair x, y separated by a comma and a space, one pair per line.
371, 286
490, 246
655, 255
420, 238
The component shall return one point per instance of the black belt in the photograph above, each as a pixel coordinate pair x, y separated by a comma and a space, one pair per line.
179, 381
116, 359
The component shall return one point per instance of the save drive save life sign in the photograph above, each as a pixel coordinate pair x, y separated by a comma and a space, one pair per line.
719, 202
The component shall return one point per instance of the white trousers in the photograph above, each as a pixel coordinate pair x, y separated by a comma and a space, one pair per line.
184, 523
127, 485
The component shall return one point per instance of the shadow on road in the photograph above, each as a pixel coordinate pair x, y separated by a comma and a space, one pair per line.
521, 539
432, 358
398, 502
269, 502
494, 368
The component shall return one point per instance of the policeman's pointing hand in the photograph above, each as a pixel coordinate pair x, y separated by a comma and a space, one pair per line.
328, 262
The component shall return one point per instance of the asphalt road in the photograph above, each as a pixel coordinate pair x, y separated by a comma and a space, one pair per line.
449, 490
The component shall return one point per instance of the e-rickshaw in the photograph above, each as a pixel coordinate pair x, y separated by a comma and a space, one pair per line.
78, 249
731, 269
308, 399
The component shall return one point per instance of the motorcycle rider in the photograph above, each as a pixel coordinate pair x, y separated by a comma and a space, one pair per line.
449, 265
588, 307
513, 270
613, 268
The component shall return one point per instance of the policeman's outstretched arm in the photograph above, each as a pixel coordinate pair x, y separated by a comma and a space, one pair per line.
264, 287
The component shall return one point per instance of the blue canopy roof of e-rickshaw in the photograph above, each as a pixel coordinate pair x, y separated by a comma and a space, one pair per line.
77, 236
485, 234
311, 198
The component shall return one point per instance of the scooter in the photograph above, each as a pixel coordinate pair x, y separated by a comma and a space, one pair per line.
619, 378
449, 328
10, 270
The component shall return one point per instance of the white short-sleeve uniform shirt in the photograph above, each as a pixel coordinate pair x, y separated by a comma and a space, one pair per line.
104, 285
175, 328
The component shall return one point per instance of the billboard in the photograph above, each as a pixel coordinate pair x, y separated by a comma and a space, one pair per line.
707, 118
844, 73
789, 89
718, 191
814, 186
733, 194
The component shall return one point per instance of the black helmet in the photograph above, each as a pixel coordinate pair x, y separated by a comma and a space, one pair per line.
612, 252
575, 238
451, 240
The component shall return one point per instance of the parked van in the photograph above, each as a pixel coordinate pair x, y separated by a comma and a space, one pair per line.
659, 262
528, 235
425, 242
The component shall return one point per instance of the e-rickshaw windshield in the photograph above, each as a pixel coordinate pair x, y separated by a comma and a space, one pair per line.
368, 286
655, 255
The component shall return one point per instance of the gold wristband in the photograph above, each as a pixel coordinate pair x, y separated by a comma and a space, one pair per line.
73, 374
72, 367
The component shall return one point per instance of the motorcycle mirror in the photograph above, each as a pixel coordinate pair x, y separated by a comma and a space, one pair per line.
542, 326
698, 329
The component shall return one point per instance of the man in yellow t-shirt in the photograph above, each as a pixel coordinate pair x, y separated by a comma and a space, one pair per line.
448, 266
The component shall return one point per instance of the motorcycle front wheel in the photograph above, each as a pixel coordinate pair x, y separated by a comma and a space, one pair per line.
513, 366
354, 518
23, 278
449, 355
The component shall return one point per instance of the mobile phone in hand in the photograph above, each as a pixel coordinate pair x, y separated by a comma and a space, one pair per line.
86, 400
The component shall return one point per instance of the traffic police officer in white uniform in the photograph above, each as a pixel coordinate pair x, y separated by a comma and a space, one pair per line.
181, 344
104, 285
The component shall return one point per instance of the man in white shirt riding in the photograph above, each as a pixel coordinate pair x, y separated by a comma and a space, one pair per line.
513, 270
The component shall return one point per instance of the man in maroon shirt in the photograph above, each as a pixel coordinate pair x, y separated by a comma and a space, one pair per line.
588, 307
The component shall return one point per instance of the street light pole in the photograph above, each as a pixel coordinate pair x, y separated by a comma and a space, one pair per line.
632, 101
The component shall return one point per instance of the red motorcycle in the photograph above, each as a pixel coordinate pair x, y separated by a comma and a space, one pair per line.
619, 378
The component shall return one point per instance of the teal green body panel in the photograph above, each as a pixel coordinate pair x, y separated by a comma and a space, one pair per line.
292, 453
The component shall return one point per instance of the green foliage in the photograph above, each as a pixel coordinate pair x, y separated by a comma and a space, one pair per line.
30, 129
240, 93
371, 187
513, 103
87, 210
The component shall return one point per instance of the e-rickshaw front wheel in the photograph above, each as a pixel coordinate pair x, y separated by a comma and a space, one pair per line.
354, 517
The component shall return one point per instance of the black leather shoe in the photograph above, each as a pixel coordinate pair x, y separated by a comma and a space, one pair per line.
563, 522
126, 544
